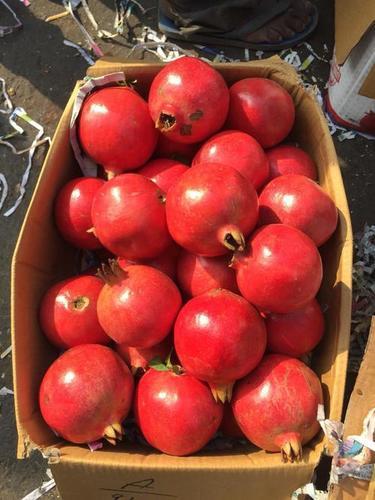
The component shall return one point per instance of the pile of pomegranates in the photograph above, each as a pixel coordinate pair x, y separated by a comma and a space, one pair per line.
203, 304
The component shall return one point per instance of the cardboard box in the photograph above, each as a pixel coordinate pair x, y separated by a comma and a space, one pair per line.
351, 85
42, 257
361, 402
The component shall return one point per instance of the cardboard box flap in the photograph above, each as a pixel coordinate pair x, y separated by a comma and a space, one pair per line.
352, 20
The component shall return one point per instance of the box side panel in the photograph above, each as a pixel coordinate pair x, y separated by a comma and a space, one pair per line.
144, 483
330, 359
41, 258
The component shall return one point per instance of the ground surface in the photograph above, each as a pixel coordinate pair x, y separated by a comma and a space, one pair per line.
41, 72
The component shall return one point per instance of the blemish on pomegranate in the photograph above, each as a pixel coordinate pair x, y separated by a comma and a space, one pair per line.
197, 115
185, 129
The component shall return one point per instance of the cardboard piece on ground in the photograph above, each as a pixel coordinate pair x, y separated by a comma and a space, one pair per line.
42, 257
362, 400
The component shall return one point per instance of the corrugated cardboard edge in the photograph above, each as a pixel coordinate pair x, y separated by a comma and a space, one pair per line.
279, 71
362, 400
25, 444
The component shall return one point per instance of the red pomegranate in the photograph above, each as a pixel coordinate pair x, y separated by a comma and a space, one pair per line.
138, 359
262, 108
219, 338
128, 214
287, 159
165, 262
86, 394
197, 274
137, 306
296, 333
298, 201
211, 209
229, 426
175, 150
281, 270
187, 414
115, 129
163, 172
68, 313
73, 211
238, 150
276, 405
188, 100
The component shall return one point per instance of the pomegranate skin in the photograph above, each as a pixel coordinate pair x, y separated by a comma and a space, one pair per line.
276, 405
288, 159
296, 333
262, 108
73, 211
85, 391
197, 274
188, 100
68, 314
187, 414
138, 358
138, 306
219, 338
238, 150
298, 201
175, 150
229, 426
115, 129
166, 262
128, 214
280, 271
206, 219
163, 172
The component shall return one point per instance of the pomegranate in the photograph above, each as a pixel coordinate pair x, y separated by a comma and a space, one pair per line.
298, 201
187, 414
276, 405
188, 100
287, 159
262, 108
238, 150
163, 172
115, 129
73, 211
219, 338
211, 209
68, 313
197, 274
229, 426
128, 214
297, 332
86, 394
165, 262
137, 306
281, 270
175, 150
138, 359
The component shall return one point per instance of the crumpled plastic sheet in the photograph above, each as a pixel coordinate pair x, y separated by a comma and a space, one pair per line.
88, 167
7, 30
363, 294
352, 456
46, 486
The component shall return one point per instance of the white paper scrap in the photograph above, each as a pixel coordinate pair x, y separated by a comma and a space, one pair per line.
39, 492
4, 391
8, 350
